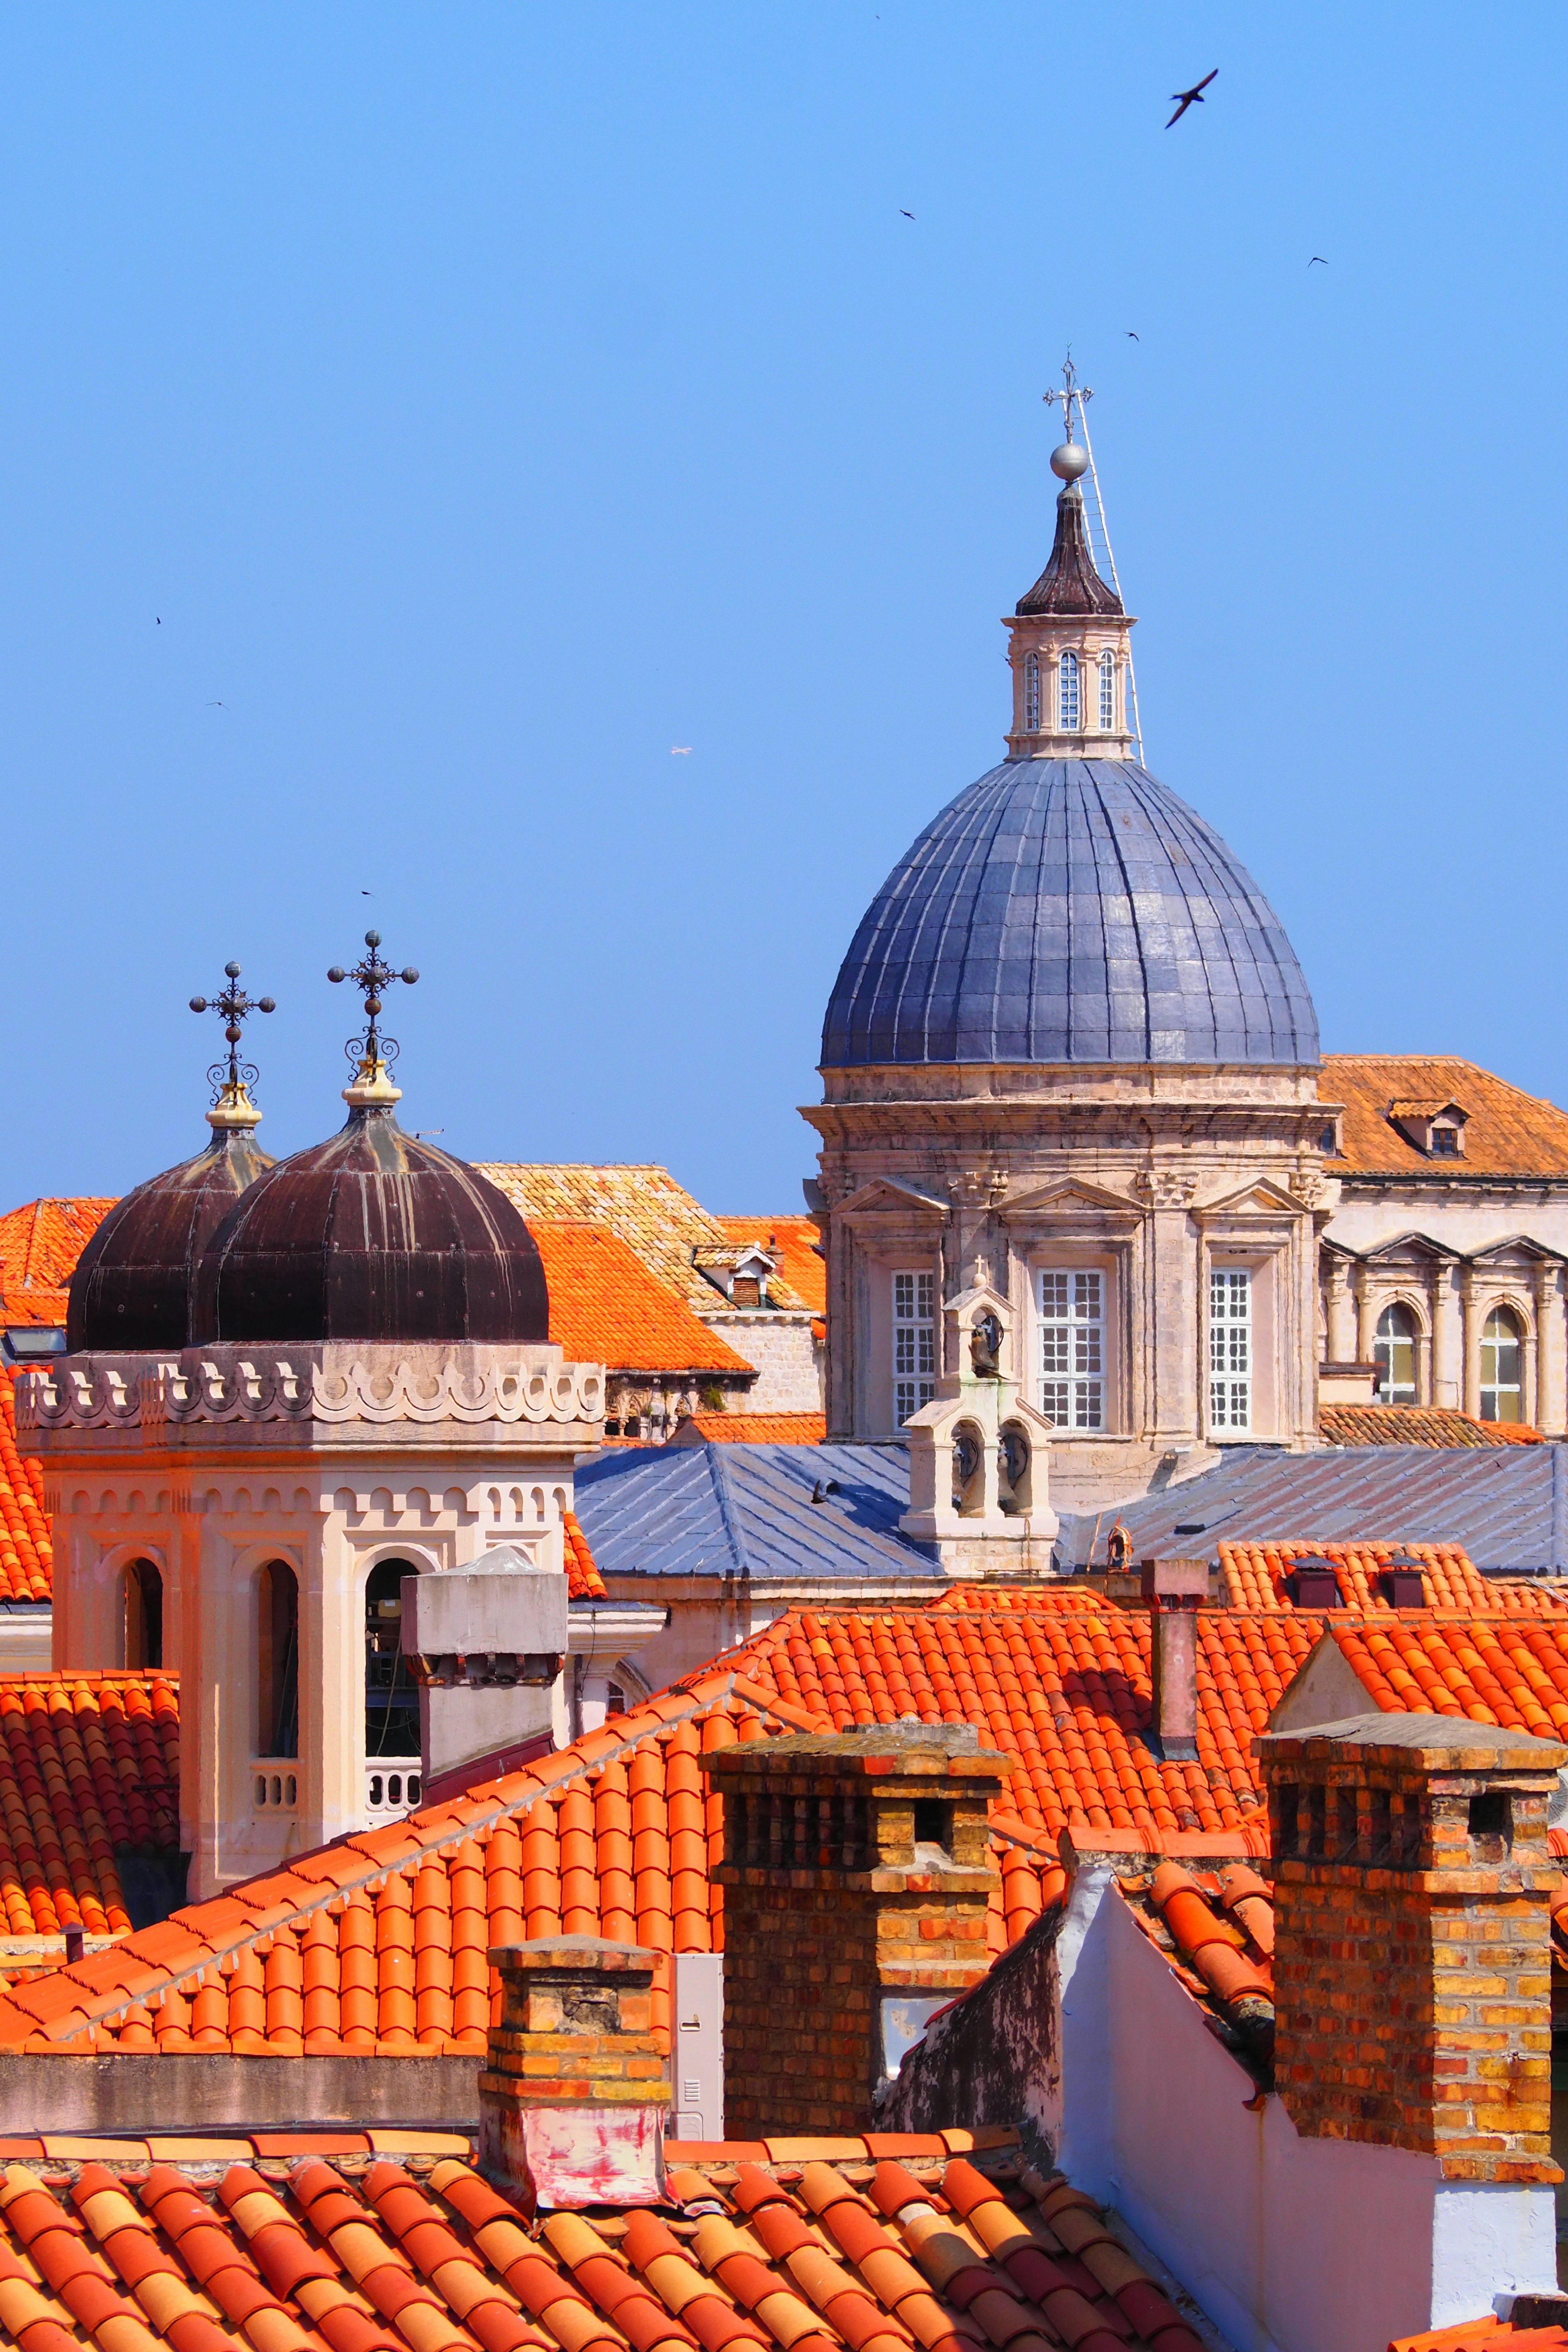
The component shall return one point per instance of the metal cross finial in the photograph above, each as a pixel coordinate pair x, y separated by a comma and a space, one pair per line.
373, 975
1071, 390
235, 1007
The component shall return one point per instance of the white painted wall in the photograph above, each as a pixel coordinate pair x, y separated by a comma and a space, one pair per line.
1290, 2244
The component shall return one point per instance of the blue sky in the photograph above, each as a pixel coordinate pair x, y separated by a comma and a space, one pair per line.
414, 421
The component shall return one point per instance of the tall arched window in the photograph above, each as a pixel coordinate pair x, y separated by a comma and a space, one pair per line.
1502, 1357
143, 1616
276, 1659
1069, 704
1032, 693
1108, 693
1393, 1352
391, 1694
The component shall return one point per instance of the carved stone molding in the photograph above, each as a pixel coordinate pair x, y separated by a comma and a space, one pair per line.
269, 1385
1167, 1188
976, 1186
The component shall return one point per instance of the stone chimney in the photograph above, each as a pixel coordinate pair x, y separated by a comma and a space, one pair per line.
1174, 1590
486, 1642
1412, 1958
857, 1877
575, 2089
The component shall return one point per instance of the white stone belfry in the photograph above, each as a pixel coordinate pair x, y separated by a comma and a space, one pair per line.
979, 1481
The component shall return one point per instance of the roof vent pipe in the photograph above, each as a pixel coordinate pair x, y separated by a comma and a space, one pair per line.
1174, 1590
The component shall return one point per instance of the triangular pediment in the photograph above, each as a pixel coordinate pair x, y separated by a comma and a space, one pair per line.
1518, 1248
1262, 1197
1412, 1244
1068, 1193
886, 1192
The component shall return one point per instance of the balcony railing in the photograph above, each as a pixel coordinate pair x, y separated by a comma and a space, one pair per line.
392, 1787
275, 1784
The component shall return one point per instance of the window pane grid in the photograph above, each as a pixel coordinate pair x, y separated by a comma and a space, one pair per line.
1393, 1352
1032, 693
1067, 693
1072, 1348
1107, 693
914, 1343
1230, 1348
1502, 1357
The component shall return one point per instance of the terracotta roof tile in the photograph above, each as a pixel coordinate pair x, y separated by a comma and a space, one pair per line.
27, 1554
583, 1581
759, 1428
642, 1204
1507, 1132
1417, 1424
39, 1245
115, 2245
1254, 1576
606, 1306
793, 1241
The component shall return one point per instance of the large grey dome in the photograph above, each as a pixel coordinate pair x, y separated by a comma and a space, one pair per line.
1070, 910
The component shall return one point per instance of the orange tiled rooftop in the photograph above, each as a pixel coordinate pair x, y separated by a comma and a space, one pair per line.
1508, 1132
27, 1553
1417, 1424
39, 1245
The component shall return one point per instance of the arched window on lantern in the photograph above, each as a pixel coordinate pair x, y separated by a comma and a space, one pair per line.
1108, 693
1032, 693
1070, 703
143, 1615
276, 1659
1502, 1358
1394, 1353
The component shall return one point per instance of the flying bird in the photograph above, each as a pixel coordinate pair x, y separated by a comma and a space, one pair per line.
679, 750
906, 215
1127, 331
218, 706
367, 893
1317, 256
1193, 97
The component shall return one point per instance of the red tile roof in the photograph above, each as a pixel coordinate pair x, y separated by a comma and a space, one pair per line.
657, 1217
1507, 1132
1487, 2334
583, 1581
759, 1428
782, 2252
1255, 1576
39, 1245
1417, 1424
90, 1765
794, 1242
607, 1306
1511, 1671
27, 1555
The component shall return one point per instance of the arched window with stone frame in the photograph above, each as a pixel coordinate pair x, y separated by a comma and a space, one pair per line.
1393, 1352
1502, 1366
143, 1637
1069, 695
1032, 694
1108, 692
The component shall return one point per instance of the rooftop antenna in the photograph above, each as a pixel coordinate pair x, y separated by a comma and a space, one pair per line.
1076, 396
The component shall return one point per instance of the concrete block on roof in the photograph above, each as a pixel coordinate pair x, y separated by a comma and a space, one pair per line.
502, 1605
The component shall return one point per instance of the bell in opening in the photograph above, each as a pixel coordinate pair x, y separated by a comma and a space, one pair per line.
143, 1616
278, 1659
391, 1694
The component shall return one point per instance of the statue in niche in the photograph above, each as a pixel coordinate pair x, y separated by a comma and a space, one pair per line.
985, 1347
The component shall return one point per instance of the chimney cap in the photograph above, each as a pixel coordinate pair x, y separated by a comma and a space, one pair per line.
573, 1955
909, 1745
1172, 1580
1453, 1743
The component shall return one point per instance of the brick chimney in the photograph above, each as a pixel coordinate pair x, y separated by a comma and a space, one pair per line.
1411, 1959
1174, 1590
857, 1877
575, 2089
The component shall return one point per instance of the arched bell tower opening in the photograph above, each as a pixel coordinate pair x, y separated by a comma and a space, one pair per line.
276, 1659
391, 1694
144, 1584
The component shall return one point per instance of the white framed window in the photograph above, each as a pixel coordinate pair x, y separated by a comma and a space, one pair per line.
1230, 1348
1108, 694
1032, 693
1393, 1352
1502, 1358
1072, 1347
914, 1343
1070, 700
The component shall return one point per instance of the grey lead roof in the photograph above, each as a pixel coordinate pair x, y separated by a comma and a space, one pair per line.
1070, 910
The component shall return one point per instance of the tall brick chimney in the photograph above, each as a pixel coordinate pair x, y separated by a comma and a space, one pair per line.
857, 1877
575, 2089
1174, 1590
1412, 1961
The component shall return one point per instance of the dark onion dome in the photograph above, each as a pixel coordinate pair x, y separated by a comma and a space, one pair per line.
1070, 583
1070, 910
373, 1235
131, 1287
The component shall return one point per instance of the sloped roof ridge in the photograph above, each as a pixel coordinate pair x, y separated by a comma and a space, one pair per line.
386, 1851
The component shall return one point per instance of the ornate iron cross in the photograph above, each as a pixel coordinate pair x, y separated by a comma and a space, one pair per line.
1071, 391
374, 974
235, 1007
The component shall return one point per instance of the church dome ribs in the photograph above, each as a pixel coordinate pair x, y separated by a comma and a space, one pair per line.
132, 1282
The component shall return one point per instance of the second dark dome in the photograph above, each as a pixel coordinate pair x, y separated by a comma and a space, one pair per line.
373, 1235
131, 1287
